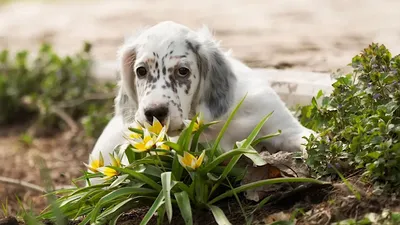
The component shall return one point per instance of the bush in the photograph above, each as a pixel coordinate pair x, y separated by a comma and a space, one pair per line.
163, 174
359, 123
54, 90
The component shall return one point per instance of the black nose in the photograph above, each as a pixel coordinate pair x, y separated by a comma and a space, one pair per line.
159, 112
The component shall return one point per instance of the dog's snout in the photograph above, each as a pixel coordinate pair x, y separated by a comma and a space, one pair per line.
159, 112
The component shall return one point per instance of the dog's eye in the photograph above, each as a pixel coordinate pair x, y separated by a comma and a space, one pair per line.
183, 71
141, 71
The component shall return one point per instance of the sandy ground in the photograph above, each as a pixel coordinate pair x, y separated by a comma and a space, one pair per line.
310, 35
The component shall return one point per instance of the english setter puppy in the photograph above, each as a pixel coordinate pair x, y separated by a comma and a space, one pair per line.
169, 70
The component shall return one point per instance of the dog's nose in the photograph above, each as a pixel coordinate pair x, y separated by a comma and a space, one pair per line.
159, 112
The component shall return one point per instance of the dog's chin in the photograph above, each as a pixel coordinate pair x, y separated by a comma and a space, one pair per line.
175, 130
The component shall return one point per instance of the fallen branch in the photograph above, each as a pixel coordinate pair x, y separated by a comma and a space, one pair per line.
67, 119
25, 184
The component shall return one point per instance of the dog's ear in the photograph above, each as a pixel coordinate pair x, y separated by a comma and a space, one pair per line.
216, 73
126, 100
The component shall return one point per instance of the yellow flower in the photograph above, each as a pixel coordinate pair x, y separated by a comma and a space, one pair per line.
116, 162
94, 164
132, 134
160, 141
143, 144
197, 124
108, 172
157, 127
191, 162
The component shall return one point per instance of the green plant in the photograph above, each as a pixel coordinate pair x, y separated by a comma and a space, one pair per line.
56, 91
359, 123
165, 175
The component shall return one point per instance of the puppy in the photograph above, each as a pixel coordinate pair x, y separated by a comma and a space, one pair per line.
169, 71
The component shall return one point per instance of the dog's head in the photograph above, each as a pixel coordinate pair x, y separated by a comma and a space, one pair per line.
170, 71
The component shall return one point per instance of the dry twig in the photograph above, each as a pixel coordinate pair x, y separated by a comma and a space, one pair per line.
21, 183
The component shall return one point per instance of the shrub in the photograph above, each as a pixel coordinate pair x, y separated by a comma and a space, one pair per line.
54, 90
359, 122
160, 173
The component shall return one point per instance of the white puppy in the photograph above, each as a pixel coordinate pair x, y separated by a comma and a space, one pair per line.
171, 71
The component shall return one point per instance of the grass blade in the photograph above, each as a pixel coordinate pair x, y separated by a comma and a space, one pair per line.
225, 127
219, 215
255, 131
156, 204
183, 201
263, 138
177, 168
139, 176
121, 192
262, 183
222, 158
166, 184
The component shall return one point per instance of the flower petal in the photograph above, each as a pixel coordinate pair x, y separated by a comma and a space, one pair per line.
200, 159
157, 126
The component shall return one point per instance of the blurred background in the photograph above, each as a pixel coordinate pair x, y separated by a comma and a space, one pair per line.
52, 111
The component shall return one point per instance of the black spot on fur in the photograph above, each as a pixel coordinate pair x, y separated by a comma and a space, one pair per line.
170, 70
156, 65
164, 70
193, 48
153, 87
164, 87
173, 83
170, 44
171, 52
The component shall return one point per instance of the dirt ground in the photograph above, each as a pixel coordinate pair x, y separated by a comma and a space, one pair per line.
309, 35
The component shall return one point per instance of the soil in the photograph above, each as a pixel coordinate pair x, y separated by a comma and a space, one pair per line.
320, 204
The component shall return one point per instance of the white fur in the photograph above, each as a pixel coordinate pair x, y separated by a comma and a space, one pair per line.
261, 98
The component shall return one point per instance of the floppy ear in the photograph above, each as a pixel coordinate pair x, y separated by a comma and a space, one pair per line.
216, 73
126, 100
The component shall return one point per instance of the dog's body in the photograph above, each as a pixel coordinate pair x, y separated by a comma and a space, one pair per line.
171, 71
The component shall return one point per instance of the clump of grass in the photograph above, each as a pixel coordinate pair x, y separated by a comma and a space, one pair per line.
185, 175
53, 92
359, 122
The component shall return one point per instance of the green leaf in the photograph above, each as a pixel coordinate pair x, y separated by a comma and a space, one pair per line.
139, 176
266, 137
166, 181
177, 168
118, 181
173, 145
262, 183
219, 215
225, 127
210, 166
115, 211
121, 192
183, 201
161, 214
156, 204
196, 136
255, 131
